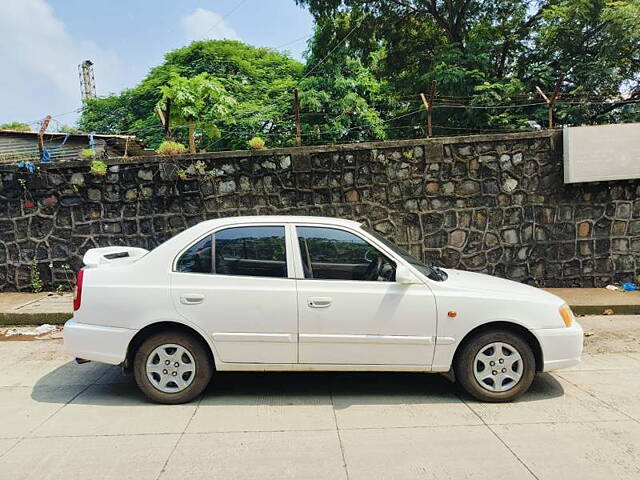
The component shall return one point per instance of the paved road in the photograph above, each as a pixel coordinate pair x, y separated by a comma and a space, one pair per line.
59, 420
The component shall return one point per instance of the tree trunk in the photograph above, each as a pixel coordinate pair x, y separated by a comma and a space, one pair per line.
167, 126
192, 136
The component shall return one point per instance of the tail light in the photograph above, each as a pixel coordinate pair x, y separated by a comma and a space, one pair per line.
78, 298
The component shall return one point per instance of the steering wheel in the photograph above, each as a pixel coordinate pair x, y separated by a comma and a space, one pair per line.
373, 270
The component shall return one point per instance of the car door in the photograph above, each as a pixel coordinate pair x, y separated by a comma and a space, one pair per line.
237, 283
351, 310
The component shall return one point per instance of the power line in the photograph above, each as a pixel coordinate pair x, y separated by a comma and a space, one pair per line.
441, 105
306, 37
238, 5
332, 50
58, 115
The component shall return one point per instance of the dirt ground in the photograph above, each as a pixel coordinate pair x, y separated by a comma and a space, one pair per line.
611, 333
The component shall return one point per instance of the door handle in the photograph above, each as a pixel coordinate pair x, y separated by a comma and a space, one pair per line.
191, 298
319, 302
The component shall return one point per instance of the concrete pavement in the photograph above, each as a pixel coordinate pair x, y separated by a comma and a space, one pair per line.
35, 308
594, 301
68, 421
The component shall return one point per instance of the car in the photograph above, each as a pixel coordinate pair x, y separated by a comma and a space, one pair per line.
298, 293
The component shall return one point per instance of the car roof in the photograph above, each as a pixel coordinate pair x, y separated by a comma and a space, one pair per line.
279, 219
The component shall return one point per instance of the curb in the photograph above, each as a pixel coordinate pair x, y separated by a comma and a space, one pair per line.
34, 318
600, 309
59, 318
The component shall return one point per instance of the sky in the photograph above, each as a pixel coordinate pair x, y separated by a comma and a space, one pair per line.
45, 40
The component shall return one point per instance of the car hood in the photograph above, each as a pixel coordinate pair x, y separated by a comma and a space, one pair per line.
495, 286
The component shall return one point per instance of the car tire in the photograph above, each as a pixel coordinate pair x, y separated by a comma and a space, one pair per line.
495, 366
187, 373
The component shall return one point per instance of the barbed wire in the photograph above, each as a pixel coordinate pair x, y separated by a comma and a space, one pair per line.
280, 126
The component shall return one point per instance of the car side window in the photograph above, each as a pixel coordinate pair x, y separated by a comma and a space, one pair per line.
197, 258
334, 254
256, 251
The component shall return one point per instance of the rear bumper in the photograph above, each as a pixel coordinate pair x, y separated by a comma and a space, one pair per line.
95, 342
561, 347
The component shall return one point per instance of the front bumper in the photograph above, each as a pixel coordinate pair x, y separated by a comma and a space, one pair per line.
561, 347
96, 342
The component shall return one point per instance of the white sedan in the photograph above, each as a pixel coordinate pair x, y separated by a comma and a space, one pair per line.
284, 293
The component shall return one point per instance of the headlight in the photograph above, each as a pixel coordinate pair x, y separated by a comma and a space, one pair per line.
566, 314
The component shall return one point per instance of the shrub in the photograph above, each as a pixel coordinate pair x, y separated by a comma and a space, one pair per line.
98, 167
87, 153
36, 281
171, 148
257, 143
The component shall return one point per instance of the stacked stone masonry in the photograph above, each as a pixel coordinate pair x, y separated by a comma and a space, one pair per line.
495, 204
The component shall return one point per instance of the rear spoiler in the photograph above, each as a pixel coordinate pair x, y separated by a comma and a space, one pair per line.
106, 255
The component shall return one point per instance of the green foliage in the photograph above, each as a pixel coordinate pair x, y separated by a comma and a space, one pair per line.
17, 157
69, 278
494, 52
87, 153
36, 280
196, 101
256, 143
68, 129
341, 97
98, 167
368, 61
193, 98
18, 126
260, 80
171, 148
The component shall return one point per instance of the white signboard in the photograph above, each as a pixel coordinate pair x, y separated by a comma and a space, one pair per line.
601, 152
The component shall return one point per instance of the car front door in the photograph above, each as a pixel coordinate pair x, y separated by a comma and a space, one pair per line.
351, 310
237, 283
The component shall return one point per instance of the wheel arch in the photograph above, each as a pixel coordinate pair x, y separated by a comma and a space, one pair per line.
161, 326
516, 328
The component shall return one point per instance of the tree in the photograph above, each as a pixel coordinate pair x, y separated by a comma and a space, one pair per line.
341, 98
18, 126
68, 129
495, 52
259, 79
200, 99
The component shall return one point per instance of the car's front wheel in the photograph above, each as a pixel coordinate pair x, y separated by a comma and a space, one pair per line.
172, 367
495, 366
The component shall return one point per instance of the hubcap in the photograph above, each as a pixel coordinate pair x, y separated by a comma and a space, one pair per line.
171, 368
498, 367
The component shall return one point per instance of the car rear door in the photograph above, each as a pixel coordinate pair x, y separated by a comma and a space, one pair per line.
351, 314
237, 283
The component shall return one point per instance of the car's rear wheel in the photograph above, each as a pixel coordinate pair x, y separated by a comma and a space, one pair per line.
495, 366
172, 367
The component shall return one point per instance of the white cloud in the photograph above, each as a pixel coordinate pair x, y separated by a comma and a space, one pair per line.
205, 24
40, 63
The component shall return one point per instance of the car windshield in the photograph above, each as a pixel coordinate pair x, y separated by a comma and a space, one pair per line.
425, 268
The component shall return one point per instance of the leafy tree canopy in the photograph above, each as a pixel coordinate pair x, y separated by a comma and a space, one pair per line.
341, 99
368, 60
197, 101
259, 80
492, 53
19, 126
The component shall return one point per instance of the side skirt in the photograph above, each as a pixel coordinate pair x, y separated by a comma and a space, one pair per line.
300, 367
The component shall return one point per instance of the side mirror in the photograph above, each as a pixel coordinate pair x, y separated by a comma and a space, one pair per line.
404, 275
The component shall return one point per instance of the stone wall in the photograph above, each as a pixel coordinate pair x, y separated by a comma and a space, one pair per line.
494, 204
